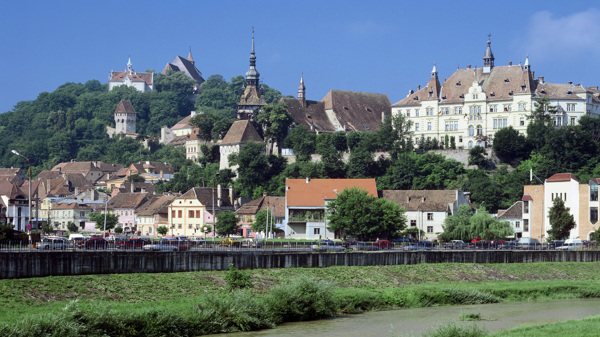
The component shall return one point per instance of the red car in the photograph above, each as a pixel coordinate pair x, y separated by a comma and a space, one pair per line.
384, 244
94, 242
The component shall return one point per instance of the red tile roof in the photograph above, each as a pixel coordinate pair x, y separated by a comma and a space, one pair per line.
313, 192
527, 197
561, 177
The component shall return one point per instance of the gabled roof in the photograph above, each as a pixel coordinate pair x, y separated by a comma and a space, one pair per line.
120, 76
422, 200
561, 177
11, 190
183, 124
156, 204
358, 111
513, 212
276, 204
14, 175
185, 66
86, 166
241, 132
125, 107
313, 115
314, 192
127, 200
205, 196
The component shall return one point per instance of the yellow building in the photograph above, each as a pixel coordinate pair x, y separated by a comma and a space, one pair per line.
188, 212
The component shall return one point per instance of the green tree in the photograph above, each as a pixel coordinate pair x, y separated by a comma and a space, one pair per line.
6, 232
98, 218
302, 142
477, 157
487, 227
509, 145
561, 221
260, 221
275, 121
119, 230
226, 223
135, 178
162, 230
206, 123
72, 227
237, 279
457, 225
356, 212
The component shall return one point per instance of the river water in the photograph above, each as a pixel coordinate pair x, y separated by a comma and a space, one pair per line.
414, 322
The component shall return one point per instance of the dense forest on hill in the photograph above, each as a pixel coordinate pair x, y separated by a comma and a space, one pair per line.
70, 124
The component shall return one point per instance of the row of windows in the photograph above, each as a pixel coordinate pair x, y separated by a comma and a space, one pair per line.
191, 214
500, 123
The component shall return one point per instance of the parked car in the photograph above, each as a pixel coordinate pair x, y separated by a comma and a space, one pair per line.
251, 243
179, 242
94, 242
54, 243
359, 245
133, 243
480, 244
229, 242
458, 244
555, 244
384, 244
402, 240
329, 247
528, 243
162, 245
571, 244
421, 245
507, 245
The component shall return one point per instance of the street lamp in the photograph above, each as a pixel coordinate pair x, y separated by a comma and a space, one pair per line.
213, 207
28, 163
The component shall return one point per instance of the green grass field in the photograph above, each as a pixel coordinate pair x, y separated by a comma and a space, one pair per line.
355, 289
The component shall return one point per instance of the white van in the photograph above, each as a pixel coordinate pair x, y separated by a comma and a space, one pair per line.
73, 237
571, 244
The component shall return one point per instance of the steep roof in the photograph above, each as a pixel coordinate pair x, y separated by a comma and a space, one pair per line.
11, 190
358, 111
125, 107
205, 195
559, 90
313, 115
314, 192
183, 124
127, 200
276, 204
500, 84
157, 204
185, 66
561, 177
421, 200
14, 175
120, 76
515, 211
86, 166
241, 132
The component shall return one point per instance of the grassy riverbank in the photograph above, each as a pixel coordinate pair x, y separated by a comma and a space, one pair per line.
193, 298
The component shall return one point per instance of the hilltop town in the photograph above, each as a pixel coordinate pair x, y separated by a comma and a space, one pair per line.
168, 154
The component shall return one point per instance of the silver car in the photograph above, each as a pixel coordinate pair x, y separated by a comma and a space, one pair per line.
53, 244
161, 247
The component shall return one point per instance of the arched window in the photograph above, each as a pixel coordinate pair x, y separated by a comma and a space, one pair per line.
470, 144
471, 130
479, 129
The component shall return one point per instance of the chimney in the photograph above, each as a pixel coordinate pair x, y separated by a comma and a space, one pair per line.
307, 180
382, 116
131, 188
570, 82
418, 87
469, 66
509, 64
541, 79
264, 194
422, 199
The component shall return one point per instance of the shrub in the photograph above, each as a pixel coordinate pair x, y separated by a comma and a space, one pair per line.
456, 330
237, 279
303, 299
354, 301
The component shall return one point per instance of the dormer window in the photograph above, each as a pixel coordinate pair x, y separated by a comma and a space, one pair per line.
523, 88
416, 98
569, 92
461, 96
506, 80
543, 92
431, 94
492, 94
510, 93
368, 109
458, 84
475, 96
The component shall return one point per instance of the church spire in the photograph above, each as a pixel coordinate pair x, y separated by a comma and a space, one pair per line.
302, 91
129, 65
434, 72
190, 58
527, 66
252, 75
488, 57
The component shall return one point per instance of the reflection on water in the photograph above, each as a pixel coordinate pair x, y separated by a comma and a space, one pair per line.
413, 322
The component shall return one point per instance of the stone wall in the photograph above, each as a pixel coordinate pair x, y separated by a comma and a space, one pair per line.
37, 264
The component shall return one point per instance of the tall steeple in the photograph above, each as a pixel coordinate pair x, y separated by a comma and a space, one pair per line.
252, 75
527, 66
434, 72
252, 99
302, 91
190, 58
129, 65
488, 57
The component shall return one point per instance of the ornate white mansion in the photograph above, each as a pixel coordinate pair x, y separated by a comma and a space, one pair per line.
474, 103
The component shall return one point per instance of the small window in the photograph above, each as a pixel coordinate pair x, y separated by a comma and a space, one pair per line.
317, 231
191, 214
430, 216
526, 225
413, 223
593, 215
429, 229
517, 224
525, 207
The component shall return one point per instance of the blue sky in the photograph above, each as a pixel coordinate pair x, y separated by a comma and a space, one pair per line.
373, 46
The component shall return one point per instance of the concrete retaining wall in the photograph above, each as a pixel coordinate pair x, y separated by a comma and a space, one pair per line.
36, 264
